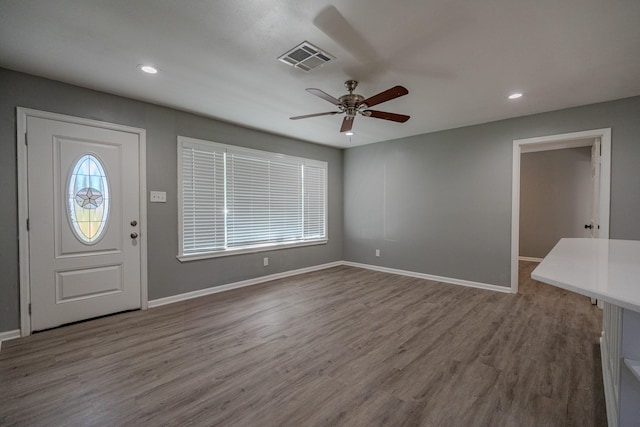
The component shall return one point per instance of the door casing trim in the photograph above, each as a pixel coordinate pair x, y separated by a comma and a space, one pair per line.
23, 202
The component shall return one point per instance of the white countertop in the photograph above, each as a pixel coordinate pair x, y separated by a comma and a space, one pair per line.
608, 270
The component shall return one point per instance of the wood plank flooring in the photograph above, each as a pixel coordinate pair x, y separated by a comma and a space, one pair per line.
343, 346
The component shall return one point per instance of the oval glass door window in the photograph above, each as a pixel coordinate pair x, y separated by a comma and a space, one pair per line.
88, 199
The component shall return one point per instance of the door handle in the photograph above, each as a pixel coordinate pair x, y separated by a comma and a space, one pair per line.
588, 226
134, 235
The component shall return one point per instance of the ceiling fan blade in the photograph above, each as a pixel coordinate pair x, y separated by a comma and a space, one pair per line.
385, 96
323, 95
330, 113
347, 124
386, 116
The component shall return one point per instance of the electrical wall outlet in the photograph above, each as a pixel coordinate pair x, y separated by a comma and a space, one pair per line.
377, 252
158, 197
265, 261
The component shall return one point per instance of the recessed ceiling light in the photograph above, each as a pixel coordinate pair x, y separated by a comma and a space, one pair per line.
148, 69
348, 133
515, 95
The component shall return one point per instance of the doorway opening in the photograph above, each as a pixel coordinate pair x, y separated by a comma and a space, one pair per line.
600, 141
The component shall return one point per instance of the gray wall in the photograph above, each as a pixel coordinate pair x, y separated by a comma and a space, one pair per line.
440, 203
167, 276
555, 198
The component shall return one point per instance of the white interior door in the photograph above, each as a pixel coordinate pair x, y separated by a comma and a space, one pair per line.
594, 225
83, 204
595, 188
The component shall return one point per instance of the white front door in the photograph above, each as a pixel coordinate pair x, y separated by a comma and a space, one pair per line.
84, 215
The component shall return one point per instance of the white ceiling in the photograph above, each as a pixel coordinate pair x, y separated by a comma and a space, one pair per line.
458, 59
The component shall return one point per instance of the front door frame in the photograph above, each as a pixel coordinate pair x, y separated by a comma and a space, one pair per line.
555, 142
23, 202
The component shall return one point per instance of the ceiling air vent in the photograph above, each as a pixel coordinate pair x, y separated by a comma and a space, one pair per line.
306, 57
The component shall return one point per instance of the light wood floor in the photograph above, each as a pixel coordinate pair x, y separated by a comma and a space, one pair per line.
343, 346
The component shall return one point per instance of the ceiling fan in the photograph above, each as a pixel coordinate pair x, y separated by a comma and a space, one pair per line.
352, 104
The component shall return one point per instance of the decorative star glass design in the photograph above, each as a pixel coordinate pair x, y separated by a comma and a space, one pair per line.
88, 199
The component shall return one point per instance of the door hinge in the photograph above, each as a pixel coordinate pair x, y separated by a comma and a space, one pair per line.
29, 309
26, 139
28, 224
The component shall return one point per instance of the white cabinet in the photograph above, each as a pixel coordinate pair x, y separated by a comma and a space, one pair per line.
620, 349
629, 375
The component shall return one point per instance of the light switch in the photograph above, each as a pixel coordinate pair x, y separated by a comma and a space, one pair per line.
158, 197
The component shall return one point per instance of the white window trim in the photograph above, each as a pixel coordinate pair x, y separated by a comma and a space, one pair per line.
255, 153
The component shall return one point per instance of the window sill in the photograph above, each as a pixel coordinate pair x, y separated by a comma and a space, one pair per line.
265, 248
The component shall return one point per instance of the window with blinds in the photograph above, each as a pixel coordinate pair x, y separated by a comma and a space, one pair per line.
233, 199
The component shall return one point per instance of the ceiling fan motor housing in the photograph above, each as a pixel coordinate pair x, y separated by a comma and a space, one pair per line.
352, 103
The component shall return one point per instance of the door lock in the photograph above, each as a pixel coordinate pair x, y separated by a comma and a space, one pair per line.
588, 226
134, 235
134, 223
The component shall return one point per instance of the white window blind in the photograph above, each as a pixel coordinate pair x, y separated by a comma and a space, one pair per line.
202, 198
234, 199
314, 201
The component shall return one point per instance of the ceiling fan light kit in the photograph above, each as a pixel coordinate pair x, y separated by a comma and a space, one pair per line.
353, 104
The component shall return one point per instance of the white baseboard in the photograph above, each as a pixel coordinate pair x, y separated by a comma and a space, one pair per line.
528, 258
250, 282
9, 335
450, 280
